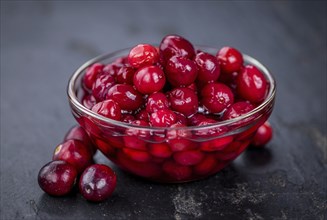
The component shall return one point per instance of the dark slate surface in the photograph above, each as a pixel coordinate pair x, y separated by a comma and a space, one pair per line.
42, 43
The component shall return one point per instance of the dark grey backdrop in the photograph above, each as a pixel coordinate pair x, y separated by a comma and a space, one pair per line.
43, 42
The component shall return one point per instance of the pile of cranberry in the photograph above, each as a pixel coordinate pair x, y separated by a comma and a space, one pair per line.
170, 86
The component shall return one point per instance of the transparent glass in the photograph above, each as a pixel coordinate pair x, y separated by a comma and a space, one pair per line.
169, 154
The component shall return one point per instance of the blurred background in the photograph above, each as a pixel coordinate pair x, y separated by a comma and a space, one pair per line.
43, 42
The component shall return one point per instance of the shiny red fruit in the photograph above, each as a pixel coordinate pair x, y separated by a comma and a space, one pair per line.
74, 152
149, 79
157, 101
143, 55
216, 97
181, 71
108, 108
208, 67
263, 135
79, 133
163, 118
251, 84
101, 86
125, 75
230, 59
237, 109
91, 74
184, 100
174, 45
57, 178
126, 96
97, 183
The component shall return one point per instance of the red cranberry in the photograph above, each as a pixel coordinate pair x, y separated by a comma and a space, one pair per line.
106, 148
89, 101
128, 118
134, 137
163, 118
143, 115
251, 84
216, 144
206, 165
188, 158
237, 109
78, 133
209, 132
126, 96
122, 60
74, 152
230, 59
184, 100
161, 150
216, 97
180, 118
157, 101
149, 79
101, 86
208, 67
177, 171
108, 108
91, 74
145, 169
112, 69
178, 139
174, 45
125, 75
143, 55
263, 135
57, 178
97, 183
181, 71
137, 155
196, 119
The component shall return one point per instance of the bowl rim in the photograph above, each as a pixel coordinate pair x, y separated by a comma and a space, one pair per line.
73, 100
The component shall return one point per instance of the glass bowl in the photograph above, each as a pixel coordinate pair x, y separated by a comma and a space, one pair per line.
173, 154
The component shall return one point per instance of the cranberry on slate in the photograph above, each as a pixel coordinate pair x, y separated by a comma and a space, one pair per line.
125, 75
181, 71
149, 79
126, 96
91, 74
143, 55
263, 135
78, 133
74, 152
208, 66
57, 178
251, 84
89, 101
108, 108
237, 109
156, 101
174, 45
184, 100
216, 97
97, 183
230, 59
101, 86
163, 118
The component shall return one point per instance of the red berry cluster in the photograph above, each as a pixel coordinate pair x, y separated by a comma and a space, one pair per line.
73, 160
173, 84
